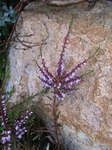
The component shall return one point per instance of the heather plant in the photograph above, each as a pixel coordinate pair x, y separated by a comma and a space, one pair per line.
17, 130
63, 82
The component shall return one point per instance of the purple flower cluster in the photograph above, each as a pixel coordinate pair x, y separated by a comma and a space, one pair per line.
18, 129
62, 82
18, 126
3, 113
5, 135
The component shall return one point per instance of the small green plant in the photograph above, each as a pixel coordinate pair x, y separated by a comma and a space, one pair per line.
7, 15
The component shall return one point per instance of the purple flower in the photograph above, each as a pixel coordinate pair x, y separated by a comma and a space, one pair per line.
63, 82
18, 126
5, 136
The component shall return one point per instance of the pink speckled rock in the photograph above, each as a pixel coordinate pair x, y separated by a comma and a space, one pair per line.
86, 115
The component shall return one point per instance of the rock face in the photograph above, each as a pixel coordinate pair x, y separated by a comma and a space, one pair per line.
85, 115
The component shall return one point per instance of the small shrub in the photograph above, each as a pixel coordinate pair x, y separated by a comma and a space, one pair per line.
7, 15
17, 130
63, 82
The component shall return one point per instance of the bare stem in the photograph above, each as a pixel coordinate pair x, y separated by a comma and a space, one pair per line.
55, 122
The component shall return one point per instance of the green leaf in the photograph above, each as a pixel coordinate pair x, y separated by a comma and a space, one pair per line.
10, 8
5, 8
13, 20
7, 19
6, 14
12, 12
1, 15
2, 22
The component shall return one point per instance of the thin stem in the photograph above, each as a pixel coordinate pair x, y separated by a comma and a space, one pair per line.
71, 22
87, 73
55, 122
91, 56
